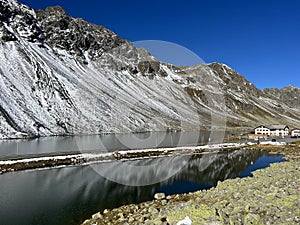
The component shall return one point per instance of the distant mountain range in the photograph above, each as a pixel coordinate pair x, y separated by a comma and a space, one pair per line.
64, 76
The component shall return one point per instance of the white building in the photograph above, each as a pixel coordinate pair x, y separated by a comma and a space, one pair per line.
272, 130
295, 132
262, 130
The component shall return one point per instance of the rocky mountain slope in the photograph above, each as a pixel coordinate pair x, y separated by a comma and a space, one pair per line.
61, 76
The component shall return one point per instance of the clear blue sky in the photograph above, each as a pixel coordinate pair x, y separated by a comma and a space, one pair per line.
260, 39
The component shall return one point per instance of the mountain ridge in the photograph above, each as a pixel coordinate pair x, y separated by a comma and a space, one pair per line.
64, 76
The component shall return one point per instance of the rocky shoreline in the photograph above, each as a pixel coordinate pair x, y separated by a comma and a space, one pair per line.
271, 196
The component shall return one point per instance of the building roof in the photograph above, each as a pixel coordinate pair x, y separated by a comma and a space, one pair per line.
295, 129
277, 127
261, 126
274, 127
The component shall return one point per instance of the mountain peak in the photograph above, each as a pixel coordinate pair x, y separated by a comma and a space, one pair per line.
75, 35
54, 28
57, 11
291, 88
18, 21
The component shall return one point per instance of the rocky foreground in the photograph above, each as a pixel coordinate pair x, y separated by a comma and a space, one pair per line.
271, 196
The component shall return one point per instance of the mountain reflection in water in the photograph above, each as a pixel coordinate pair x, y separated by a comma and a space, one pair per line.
71, 194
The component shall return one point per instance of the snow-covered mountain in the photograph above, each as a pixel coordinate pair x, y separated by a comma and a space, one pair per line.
61, 76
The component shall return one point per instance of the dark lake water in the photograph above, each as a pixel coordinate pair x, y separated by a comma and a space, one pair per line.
109, 142
70, 195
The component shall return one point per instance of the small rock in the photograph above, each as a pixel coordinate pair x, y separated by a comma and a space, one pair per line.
177, 196
146, 216
120, 215
251, 219
164, 202
130, 220
97, 216
213, 223
153, 210
105, 211
186, 221
86, 222
159, 196
169, 197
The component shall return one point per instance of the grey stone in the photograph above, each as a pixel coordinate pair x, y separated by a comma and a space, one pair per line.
159, 196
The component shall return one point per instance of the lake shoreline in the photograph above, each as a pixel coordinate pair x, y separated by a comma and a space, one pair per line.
269, 197
45, 161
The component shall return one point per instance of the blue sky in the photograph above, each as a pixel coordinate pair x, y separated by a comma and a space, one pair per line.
259, 39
